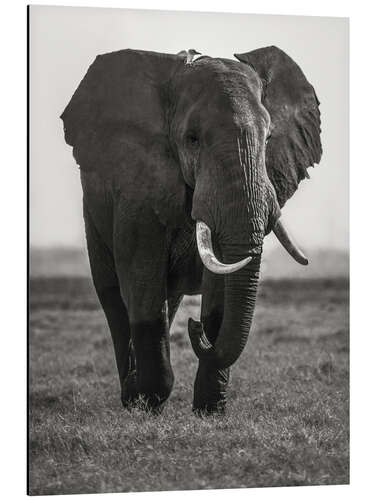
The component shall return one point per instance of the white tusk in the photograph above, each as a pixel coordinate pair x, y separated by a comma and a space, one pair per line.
204, 243
287, 242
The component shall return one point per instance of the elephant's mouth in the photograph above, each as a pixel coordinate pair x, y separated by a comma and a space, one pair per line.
210, 261
207, 255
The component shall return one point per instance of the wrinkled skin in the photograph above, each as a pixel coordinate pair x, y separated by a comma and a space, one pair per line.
162, 145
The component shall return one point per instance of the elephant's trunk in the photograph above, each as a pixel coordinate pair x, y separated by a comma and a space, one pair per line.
239, 217
248, 207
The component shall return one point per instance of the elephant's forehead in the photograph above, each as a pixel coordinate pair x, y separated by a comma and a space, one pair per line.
217, 77
218, 88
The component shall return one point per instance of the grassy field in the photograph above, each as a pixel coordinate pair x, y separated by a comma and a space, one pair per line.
287, 421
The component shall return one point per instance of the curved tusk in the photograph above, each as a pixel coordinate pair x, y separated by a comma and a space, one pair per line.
204, 243
287, 242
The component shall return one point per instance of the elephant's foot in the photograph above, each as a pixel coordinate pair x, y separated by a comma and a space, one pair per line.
210, 390
155, 391
149, 397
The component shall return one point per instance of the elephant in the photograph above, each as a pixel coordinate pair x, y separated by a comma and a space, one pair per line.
184, 171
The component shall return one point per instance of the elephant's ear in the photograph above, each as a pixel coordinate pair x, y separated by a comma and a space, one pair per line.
120, 99
117, 121
291, 101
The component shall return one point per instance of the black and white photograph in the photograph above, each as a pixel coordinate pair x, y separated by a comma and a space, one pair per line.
188, 250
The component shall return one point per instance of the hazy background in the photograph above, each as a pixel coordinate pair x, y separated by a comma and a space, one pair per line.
65, 40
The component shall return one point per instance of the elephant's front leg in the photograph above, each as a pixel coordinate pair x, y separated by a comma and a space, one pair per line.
150, 337
142, 269
211, 384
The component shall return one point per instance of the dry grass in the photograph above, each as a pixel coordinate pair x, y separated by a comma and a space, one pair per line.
287, 418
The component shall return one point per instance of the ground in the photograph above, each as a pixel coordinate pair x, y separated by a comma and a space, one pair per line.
287, 421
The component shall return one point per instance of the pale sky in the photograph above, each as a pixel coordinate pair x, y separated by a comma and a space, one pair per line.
64, 41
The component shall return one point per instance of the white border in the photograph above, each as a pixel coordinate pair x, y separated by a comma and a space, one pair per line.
13, 243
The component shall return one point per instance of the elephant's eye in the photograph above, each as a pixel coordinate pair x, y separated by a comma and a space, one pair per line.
268, 138
192, 139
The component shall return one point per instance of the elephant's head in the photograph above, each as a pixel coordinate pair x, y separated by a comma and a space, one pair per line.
241, 136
